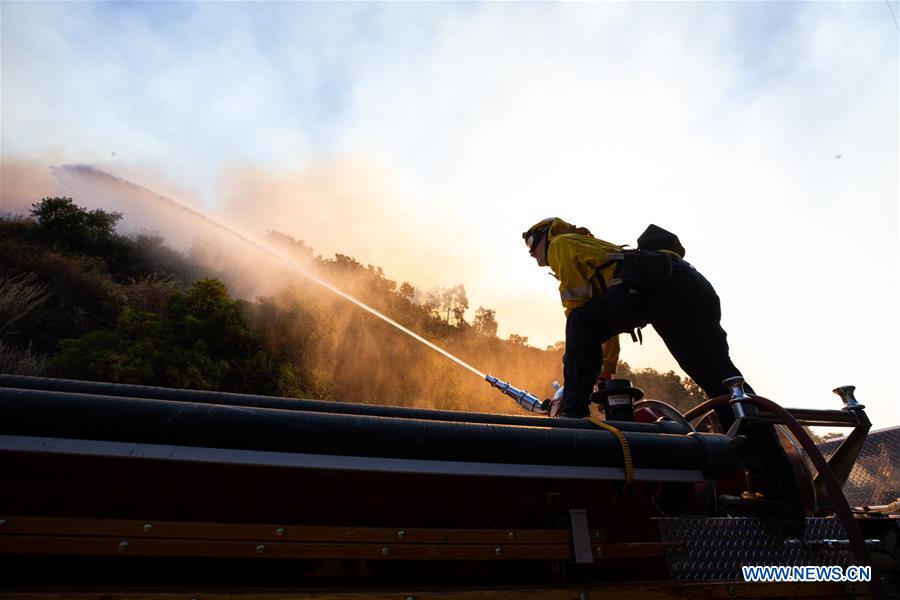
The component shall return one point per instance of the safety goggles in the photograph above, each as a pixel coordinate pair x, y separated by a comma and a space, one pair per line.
533, 239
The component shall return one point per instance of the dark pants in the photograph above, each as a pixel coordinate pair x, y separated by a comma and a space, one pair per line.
686, 315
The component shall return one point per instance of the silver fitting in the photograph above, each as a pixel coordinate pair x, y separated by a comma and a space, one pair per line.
525, 399
738, 395
736, 385
846, 394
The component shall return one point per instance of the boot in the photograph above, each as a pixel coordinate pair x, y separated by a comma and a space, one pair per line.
772, 496
782, 516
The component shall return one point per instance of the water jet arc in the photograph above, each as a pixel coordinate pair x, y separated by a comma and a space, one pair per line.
92, 171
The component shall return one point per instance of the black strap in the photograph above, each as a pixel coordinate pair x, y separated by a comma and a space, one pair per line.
637, 336
599, 275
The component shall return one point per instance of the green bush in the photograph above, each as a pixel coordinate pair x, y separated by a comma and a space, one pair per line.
200, 340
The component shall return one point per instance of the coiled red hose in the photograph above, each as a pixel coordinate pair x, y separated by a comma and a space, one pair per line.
841, 507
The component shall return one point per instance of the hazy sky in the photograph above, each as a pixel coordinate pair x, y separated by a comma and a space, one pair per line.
425, 137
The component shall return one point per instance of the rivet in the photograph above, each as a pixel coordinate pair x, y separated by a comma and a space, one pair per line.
386, 551
583, 596
498, 550
599, 550
148, 527
511, 535
260, 548
401, 534
410, 598
2, 522
280, 531
123, 545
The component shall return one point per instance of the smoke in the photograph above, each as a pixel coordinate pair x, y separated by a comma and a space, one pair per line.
723, 122
24, 182
345, 354
342, 207
346, 207
350, 342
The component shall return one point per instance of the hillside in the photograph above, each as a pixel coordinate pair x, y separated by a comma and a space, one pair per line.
79, 300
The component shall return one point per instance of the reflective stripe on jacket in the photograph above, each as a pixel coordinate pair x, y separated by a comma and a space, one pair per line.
574, 260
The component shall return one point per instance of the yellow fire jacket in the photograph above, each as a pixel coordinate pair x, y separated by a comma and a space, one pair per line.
574, 259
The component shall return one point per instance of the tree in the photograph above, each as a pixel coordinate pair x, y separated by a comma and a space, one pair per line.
821, 439
199, 340
485, 321
70, 227
154, 260
682, 393
518, 340
459, 304
294, 247
298, 341
449, 304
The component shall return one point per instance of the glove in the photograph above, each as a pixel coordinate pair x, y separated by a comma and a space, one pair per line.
556, 401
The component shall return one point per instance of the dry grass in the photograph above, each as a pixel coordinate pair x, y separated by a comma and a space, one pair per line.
19, 296
21, 361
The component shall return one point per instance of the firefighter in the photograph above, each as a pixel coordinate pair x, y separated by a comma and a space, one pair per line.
684, 311
602, 300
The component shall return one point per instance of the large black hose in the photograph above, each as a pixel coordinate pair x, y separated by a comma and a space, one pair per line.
321, 406
838, 500
92, 417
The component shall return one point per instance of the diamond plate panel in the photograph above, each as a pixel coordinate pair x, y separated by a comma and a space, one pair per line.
875, 478
716, 547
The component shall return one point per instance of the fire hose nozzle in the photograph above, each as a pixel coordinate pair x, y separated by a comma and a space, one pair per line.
526, 400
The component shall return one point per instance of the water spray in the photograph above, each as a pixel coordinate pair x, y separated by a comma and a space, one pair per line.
525, 399
81, 169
